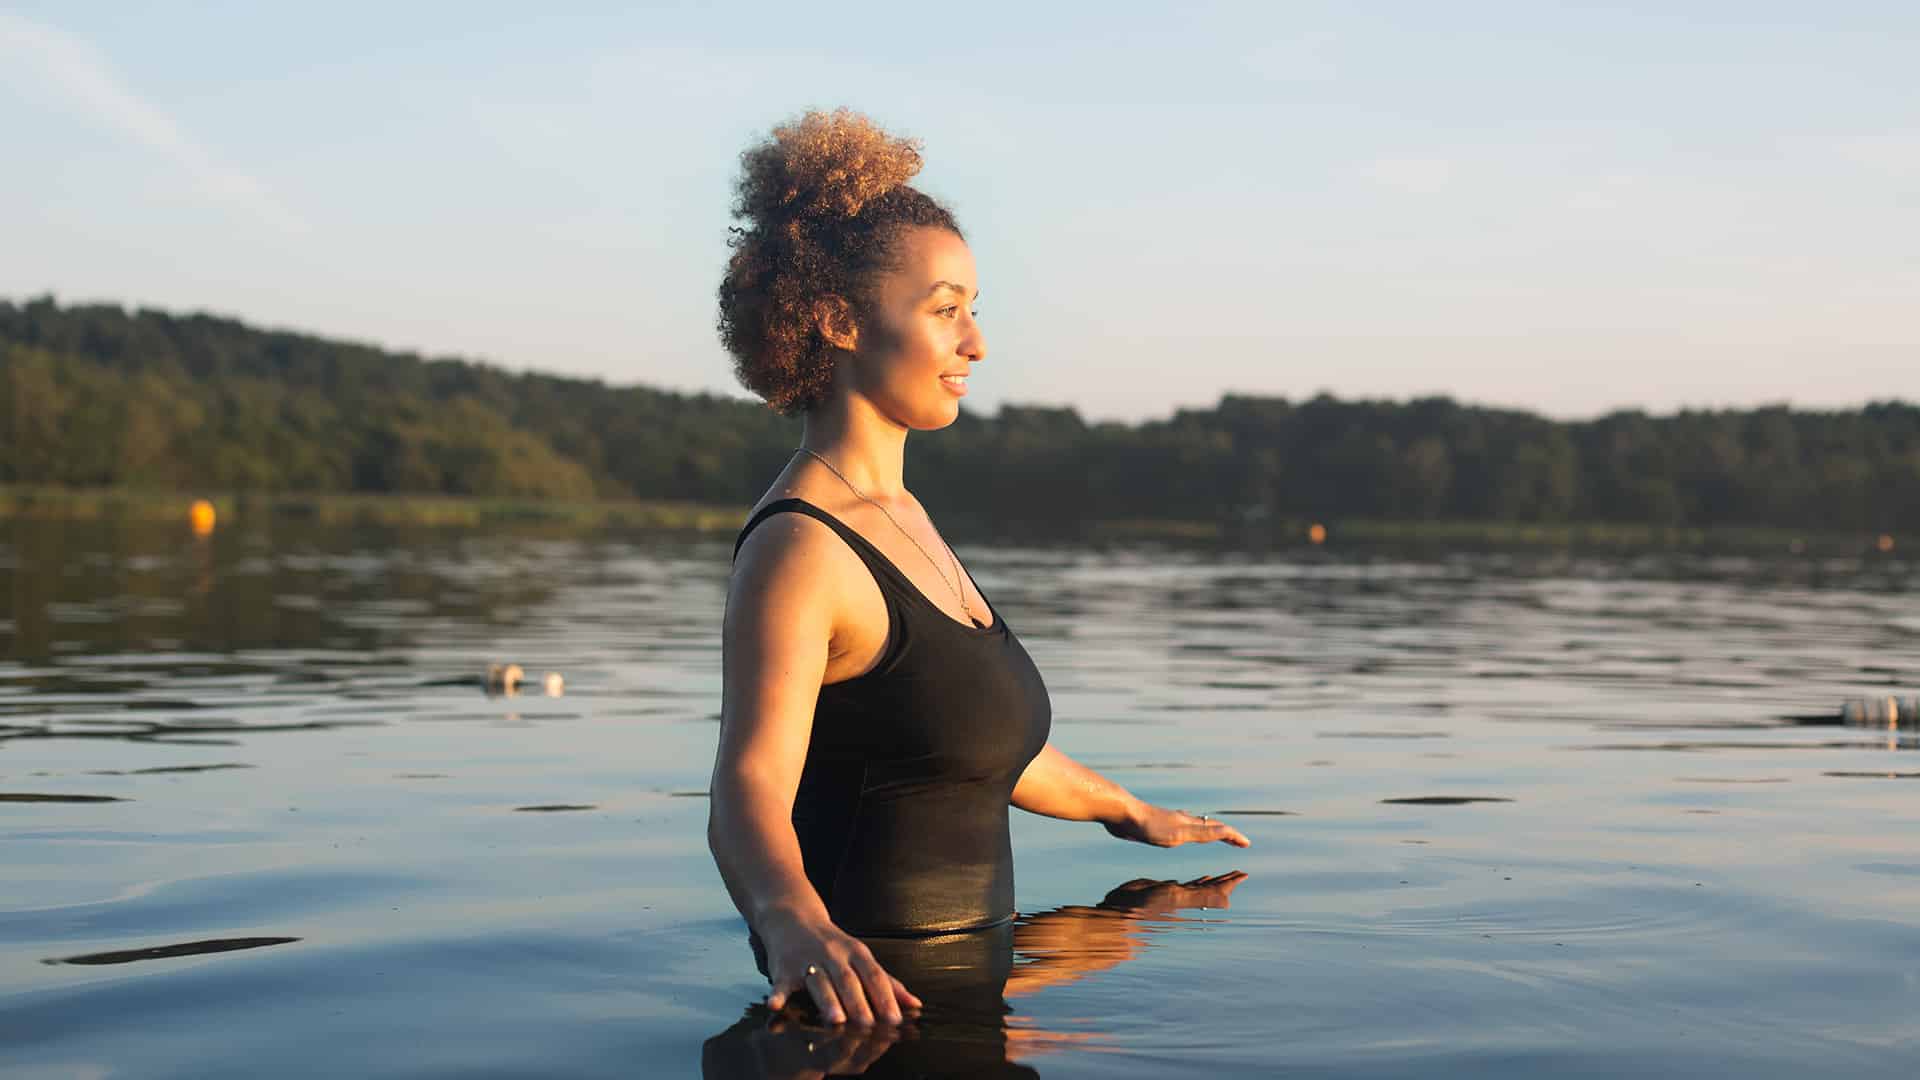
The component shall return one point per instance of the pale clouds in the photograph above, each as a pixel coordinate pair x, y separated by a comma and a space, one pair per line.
1892, 152
1304, 58
1616, 191
79, 73
1415, 175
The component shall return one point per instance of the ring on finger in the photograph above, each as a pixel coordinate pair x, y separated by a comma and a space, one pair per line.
812, 971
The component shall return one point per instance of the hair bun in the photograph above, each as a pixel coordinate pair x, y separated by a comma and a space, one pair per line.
823, 164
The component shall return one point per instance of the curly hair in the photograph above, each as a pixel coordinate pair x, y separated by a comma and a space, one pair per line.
824, 200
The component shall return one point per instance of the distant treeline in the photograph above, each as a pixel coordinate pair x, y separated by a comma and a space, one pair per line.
96, 396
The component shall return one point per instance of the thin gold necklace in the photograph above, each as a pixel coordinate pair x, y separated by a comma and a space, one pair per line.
964, 606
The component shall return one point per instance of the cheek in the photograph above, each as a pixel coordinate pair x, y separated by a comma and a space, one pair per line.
904, 350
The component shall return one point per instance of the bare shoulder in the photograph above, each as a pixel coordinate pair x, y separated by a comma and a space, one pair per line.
784, 545
791, 569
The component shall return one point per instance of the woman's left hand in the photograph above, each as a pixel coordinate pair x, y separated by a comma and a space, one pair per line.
1162, 827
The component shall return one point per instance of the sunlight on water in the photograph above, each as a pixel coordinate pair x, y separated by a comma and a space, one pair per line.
1513, 814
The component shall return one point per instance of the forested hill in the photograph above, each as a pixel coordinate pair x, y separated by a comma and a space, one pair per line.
97, 396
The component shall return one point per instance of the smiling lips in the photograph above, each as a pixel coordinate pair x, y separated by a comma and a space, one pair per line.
955, 383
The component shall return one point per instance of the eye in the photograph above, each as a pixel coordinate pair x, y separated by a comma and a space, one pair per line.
949, 312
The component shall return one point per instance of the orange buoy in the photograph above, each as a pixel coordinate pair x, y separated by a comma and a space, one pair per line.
1317, 533
200, 516
1886, 542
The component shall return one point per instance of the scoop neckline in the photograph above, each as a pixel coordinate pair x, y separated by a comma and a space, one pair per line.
996, 626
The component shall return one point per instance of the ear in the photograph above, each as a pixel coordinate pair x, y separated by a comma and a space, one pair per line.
833, 316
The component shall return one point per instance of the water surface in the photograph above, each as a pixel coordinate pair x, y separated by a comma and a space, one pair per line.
1511, 814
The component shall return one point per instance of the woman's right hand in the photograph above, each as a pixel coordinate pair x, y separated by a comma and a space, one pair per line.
838, 970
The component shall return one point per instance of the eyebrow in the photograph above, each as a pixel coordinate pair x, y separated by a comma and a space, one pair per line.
951, 287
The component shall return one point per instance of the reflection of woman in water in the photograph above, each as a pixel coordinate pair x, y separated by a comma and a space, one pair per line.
878, 716
969, 980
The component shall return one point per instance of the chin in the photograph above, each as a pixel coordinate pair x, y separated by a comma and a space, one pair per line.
931, 417
942, 418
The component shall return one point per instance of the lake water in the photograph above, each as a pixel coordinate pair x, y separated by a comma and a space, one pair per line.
330, 853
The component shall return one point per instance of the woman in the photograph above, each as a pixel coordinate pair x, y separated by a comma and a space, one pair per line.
878, 716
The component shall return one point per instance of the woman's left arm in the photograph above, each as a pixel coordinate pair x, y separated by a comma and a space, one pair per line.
1058, 786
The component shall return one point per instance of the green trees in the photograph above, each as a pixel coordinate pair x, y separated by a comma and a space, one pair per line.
98, 396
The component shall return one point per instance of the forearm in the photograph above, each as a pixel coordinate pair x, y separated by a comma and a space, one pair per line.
758, 856
1057, 786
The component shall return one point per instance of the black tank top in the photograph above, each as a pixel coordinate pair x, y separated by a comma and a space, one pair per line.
902, 806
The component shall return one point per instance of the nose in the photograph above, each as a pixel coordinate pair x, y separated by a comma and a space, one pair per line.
973, 346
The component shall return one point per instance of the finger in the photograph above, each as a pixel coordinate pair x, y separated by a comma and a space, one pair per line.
1214, 829
853, 998
824, 998
778, 996
879, 989
905, 996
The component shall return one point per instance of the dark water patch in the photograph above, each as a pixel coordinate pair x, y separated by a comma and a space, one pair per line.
1875, 775
554, 808
1545, 715
158, 770
1688, 725
1689, 747
194, 734
1894, 869
689, 795
209, 904
121, 836
164, 952
1444, 800
1259, 813
160, 705
61, 682
378, 708
35, 797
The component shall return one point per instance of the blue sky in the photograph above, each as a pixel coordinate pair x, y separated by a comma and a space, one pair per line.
1526, 204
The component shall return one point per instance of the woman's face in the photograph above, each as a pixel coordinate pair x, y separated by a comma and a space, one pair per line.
920, 332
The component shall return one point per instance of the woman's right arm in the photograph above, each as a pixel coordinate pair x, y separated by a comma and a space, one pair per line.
774, 647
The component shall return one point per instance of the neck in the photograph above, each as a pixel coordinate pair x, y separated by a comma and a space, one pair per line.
869, 450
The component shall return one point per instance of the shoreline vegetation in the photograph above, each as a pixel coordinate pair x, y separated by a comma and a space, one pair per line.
102, 410
344, 508
244, 510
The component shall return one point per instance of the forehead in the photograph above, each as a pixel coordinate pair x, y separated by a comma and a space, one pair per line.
927, 257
